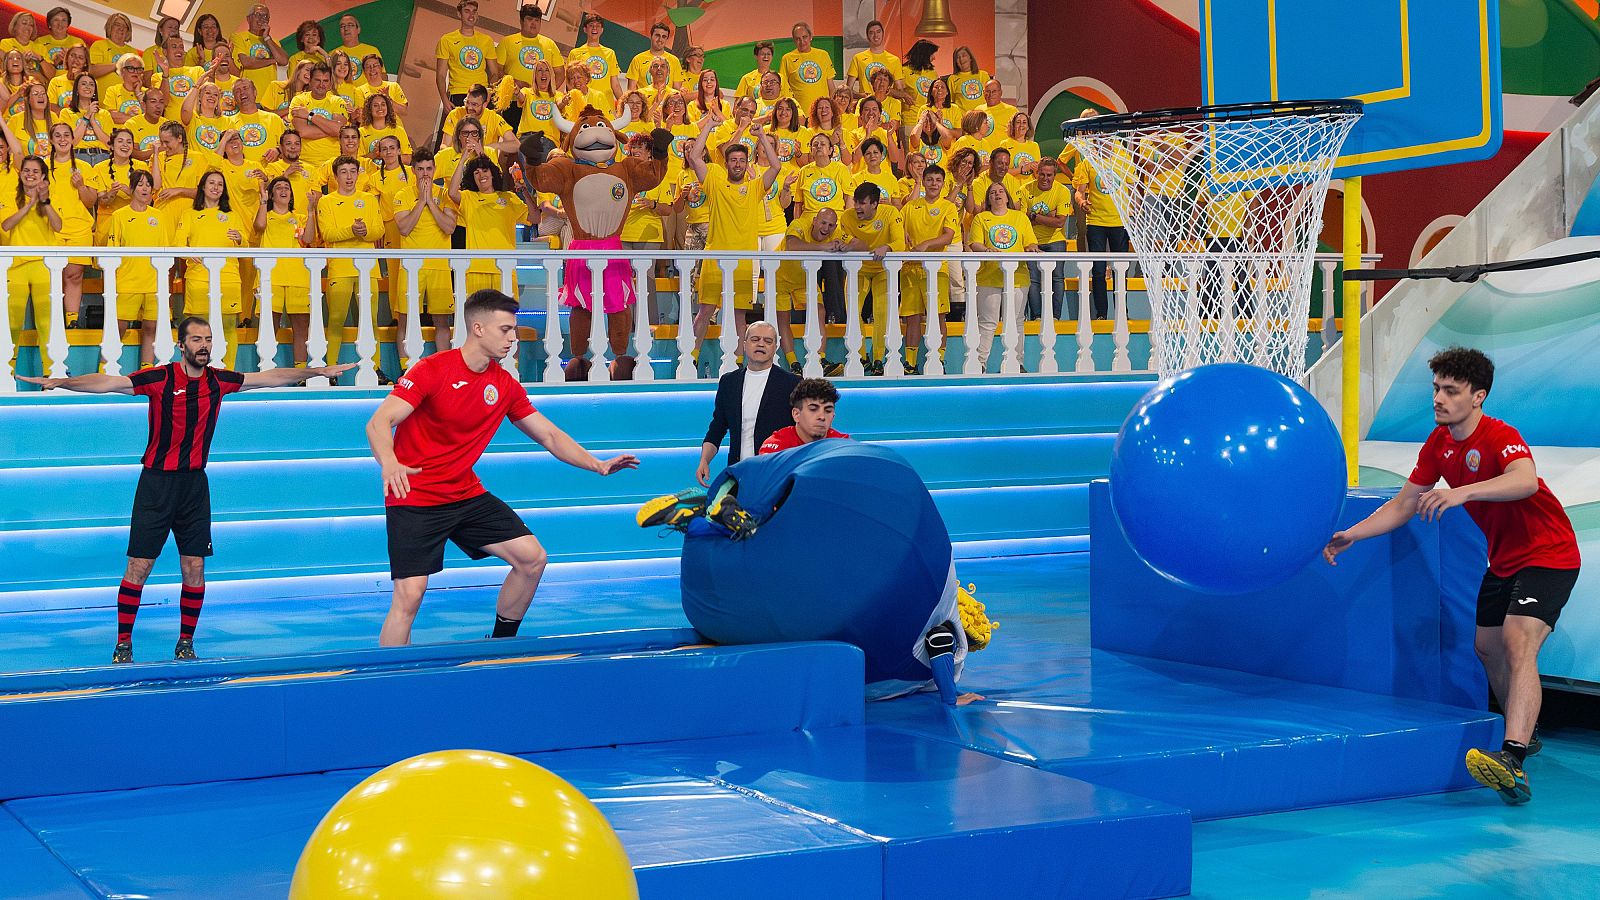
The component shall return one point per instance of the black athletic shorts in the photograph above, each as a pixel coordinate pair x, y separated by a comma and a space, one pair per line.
176, 503
1532, 591
417, 533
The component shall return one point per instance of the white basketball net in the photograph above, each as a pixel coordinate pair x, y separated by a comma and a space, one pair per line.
1224, 214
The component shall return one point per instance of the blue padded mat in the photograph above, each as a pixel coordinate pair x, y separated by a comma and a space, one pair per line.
29, 869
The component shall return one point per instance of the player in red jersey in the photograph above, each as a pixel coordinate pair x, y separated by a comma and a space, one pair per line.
1533, 553
427, 435
811, 403
174, 496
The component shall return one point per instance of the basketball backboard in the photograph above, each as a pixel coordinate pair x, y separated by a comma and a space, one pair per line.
1428, 71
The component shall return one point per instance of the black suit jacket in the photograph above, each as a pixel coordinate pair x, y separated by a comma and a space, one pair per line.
729, 408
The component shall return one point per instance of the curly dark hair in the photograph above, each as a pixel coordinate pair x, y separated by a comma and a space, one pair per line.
813, 389
1464, 364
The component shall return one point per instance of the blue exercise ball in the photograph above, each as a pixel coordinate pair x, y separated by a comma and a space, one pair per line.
849, 547
1228, 478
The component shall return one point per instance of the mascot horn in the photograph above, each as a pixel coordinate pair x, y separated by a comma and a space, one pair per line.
597, 191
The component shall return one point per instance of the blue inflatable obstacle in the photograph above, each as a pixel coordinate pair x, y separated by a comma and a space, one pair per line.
848, 547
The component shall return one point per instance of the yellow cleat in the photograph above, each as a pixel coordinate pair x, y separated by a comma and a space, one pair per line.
672, 510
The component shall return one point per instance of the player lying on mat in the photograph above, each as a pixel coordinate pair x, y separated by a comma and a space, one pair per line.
1533, 553
428, 433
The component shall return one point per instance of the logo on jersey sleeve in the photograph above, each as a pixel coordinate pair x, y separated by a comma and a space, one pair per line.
1002, 237
1514, 448
491, 395
1474, 458
471, 58
809, 72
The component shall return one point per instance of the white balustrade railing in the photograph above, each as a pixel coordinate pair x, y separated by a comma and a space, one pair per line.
679, 352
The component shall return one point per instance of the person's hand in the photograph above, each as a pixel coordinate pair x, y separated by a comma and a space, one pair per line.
264, 198
756, 131
77, 177
445, 104
94, 108
331, 372
51, 384
313, 196
167, 194
396, 476
1433, 504
1337, 544
702, 474
878, 253
360, 228
271, 156
233, 235
618, 463
294, 168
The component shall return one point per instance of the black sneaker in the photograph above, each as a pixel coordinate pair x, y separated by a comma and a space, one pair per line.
1500, 770
123, 653
797, 368
1534, 744
673, 511
832, 369
184, 649
726, 511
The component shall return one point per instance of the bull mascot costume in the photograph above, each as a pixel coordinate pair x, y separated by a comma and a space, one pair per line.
597, 192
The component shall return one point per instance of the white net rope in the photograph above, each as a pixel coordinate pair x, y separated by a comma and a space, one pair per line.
1224, 214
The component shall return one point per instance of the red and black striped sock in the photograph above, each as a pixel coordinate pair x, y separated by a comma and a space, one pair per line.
128, 595
189, 602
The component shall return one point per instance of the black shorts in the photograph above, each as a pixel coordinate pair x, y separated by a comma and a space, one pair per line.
1532, 591
176, 503
417, 533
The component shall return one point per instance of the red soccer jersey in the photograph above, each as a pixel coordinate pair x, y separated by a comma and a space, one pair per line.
183, 413
1533, 531
788, 439
457, 413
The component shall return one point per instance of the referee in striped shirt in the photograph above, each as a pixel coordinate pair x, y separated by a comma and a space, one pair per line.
173, 496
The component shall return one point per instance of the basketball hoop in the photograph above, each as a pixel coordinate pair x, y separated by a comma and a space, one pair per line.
1223, 205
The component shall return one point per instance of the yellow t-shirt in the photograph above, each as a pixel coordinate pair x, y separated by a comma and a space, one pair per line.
286, 231
491, 221
924, 220
966, 89
863, 64
1053, 201
883, 178
102, 175
1164, 158
1009, 232
357, 53
59, 90
806, 76
77, 221
361, 90
788, 145
772, 221
737, 210
247, 46
275, 98
1015, 188
210, 228
55, 49
386, 183
35, 141
696, 206
884, 229
538, 114
1227, 213
9, 44
33, 231
138, 228
602, 64
750, 85
258, 131
980, 145
792, 280
833, 142
337, 215
117, 98
917, 81
244, 181
426, 234
1025, 155
517, 55
90, 140
824, 187
639, 68
1102, 209
178, 83
301, 183
467, 57
314, 151
371, 136
206, 131
1000, 116
644, 223
494, 127
146, 134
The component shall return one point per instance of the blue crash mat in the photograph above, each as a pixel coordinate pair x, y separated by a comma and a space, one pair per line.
29, 870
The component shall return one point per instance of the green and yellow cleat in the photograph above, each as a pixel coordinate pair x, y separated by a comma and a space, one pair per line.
673, 511
1500, 770
726, 511
184, 649
123, 653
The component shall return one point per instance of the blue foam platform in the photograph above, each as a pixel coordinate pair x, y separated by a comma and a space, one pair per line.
1396, 616
30, 869
288, 724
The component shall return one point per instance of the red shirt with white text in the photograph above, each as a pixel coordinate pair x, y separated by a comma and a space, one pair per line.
788, 439
457, 412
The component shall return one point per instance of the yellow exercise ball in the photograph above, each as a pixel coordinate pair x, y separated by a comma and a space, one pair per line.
463, 823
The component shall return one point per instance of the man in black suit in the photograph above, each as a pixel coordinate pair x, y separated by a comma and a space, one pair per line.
751, 403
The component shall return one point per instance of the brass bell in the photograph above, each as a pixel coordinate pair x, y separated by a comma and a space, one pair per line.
936, 19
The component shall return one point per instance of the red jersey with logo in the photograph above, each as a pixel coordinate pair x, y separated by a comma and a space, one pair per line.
183, 413
1533, 531
457, 412
788, 439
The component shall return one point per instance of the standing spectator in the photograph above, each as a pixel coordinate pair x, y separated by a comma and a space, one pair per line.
491, 212
1048, 204
817, 232
211, 223
1019, 142
876, 57
317, 116
73, 198
1106, 233
207, 41
639, 75
255, 51
30, 220
301, 177
25, 40
750, 82
350, 40
105, 53
808, 72
519, 54
966, 79
137, 224
58, 37
466, 58
997, 229
932, 224
876, 228
998, 112
753, 399
282, 226
374, 82
346, 219
259, 130
425, 222
605, 78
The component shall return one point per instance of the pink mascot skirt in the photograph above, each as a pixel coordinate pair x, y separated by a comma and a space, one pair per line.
575, 288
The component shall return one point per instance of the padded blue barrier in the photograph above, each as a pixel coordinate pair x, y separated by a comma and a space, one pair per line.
941, 810
29, 869
348, 718
1214, 741
1395, 617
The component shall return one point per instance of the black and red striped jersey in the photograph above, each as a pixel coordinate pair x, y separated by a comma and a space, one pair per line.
183, 413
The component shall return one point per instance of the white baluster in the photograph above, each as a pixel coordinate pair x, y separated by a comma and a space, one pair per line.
163, 342
366, 339
317, 324
110, 334
769, 297
412, 269
597, 321
685, 325
728, 320
458, 277
56, 340
893, 340
853, 348
508, 286
1048, 298
969, 335
1085, 358
1329, 310
552, 322
932, 334
266, 326
643, 335
8, 349
1010, 321
1119, 329
815, 342
219, 335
